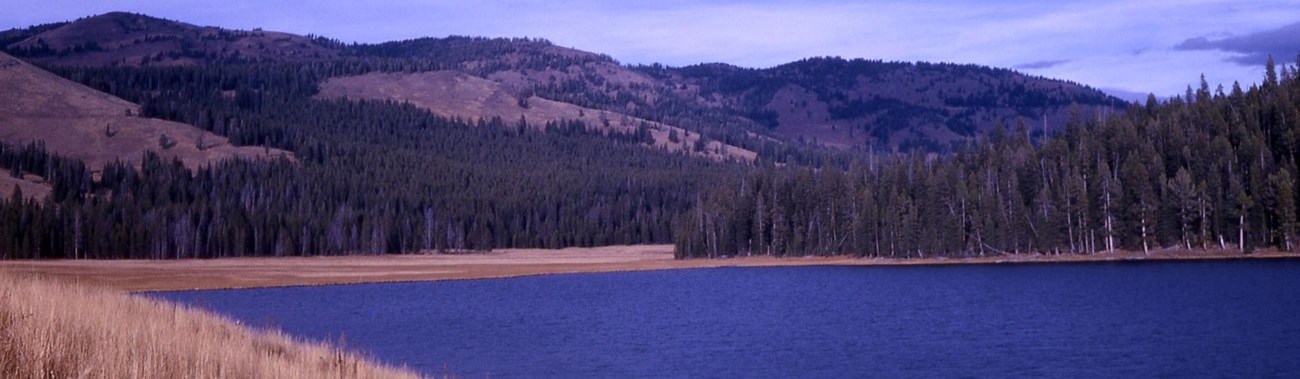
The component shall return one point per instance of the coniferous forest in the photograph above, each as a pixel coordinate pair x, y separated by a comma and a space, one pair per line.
1213, 169
369, 177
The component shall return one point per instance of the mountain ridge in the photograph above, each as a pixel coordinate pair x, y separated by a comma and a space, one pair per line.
121, 38
829, 101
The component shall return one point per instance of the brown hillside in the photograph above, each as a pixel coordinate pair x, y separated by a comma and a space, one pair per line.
79, 122
455, 94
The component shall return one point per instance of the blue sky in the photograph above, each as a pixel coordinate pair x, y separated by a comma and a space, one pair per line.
1158, 46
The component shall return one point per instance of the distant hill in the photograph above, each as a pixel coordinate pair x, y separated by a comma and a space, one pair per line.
120, 38
855, 102
827, 101
79, 122
830, 101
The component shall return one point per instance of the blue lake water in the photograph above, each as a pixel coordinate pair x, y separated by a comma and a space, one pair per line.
1155, 319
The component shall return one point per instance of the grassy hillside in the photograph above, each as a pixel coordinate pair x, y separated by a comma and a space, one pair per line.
97, 128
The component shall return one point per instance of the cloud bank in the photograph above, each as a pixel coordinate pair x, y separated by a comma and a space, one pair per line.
1253, 49
1038, 65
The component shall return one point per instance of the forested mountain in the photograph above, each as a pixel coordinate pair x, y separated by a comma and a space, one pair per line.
829, 101
931, 107
1216, 169
407, 173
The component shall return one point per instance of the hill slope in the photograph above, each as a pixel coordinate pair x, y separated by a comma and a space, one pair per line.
455, 94
79, 122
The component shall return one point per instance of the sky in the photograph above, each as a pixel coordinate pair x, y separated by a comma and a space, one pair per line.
1129, 48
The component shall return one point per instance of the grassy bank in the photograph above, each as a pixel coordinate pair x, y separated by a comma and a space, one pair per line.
58, 330
190, 274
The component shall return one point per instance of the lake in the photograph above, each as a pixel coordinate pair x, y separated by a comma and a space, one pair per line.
1134, 319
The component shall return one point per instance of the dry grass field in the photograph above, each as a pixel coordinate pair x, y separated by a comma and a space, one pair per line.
153, 275
58, 330
169, 275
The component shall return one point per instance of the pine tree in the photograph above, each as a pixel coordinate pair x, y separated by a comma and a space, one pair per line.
1183, 196
1284, 206
1270, 73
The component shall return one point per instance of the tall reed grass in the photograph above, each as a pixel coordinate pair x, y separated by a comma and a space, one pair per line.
55, 330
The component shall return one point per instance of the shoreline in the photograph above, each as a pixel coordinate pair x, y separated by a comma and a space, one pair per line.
263, 272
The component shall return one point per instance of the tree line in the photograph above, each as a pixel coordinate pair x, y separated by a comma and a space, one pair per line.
1214, 169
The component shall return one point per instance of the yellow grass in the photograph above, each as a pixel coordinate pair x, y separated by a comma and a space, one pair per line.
59, 330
